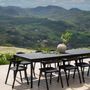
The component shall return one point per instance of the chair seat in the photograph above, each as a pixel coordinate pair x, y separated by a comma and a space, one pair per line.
83, 64
48, 69
25, 62
67, 67
20, 68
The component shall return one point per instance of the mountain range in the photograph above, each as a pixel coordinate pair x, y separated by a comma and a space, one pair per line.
50, 12
43, 23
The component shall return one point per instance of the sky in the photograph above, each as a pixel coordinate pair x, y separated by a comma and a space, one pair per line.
68, 4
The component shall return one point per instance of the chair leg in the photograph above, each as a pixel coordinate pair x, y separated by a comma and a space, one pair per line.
50, 78
26, 76
66, 77
68, 74
74, 73
58, 75
82, 71
83, 75
34, 69
20, 76
39, 78
79, 75
8, 73
46, 82
15, 73
60, 78
88, 71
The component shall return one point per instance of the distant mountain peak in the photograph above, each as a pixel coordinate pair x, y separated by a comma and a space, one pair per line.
53, 6
49, 7
75, 9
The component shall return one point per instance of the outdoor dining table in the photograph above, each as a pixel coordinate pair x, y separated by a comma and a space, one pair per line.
39, 57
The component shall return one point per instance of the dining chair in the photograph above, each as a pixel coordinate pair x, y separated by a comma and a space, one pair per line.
49, 69
82, 66
68, 67
16, 68
26, 63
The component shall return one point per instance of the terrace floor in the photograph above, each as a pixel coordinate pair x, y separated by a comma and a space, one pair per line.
74, 83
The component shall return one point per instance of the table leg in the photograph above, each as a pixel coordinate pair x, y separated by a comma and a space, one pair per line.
78, 71
82, 70
31, 74
66, 73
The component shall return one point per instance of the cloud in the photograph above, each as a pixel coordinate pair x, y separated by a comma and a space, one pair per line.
78, 1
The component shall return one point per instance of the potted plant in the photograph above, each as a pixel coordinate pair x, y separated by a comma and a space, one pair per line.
65, 37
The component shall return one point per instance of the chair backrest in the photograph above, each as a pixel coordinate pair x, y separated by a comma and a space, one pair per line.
67, 61
37, 51
14, 62
20, 53
17, 61
49, 63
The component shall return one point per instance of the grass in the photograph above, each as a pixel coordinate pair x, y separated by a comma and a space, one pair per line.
13, 50
7, 52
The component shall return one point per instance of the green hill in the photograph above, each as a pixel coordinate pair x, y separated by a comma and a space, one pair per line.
43, 26
30, 32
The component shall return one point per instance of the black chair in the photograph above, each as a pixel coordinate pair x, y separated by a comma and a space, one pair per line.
26, 63
67, 67
88, 69
16, 68
82, 66
48, 69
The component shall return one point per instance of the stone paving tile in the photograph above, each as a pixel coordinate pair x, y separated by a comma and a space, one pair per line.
74, 84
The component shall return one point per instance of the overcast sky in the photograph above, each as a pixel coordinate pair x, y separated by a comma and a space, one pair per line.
81, 4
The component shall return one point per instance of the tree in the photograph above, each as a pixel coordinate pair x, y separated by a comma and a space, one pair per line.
66, 37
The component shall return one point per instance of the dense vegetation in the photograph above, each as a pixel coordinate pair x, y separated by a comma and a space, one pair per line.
6, 53
43, 26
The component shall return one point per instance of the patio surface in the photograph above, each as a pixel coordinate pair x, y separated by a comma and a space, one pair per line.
74, 83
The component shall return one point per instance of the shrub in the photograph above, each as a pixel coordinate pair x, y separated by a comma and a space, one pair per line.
66, 36
4, 58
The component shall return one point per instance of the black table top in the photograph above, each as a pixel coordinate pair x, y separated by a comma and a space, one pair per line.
39, 55
42, 56
78, 51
